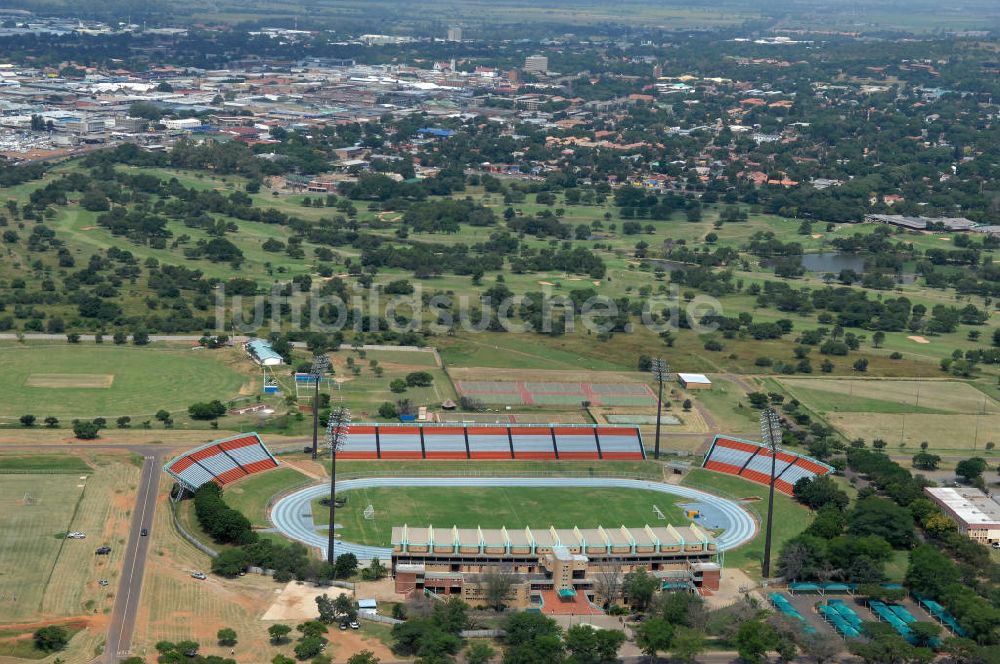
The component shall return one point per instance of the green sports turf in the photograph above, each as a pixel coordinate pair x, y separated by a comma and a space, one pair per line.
146, 379
252, 495
493, 507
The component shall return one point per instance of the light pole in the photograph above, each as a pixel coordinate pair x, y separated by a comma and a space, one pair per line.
660, 370
320, 365
336, 435
770, 429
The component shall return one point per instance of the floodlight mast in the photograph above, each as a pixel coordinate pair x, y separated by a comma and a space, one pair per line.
320, 365
336, 435
661, 371
770, 430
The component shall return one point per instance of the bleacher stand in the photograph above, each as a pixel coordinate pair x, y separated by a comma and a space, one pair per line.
221, 461
492, 441
752, 461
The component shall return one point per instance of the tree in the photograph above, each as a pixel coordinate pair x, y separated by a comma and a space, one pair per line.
28, 420
226, 636
162, 415
363, 657
278, 632
479, 653
820, 648
587, 645
608, 580
387, 411
397, 385
639, 586
282, 659
496, 583
51, 422
309, 646
85, 430
687, 644
971, 469
925, 634
208, 410
419, 379
754, 639
926, 461
230, 563
326, 608
345, 565
654, 635
123, 422
345, 606
882, 517
140, 337
51, 638
878, 338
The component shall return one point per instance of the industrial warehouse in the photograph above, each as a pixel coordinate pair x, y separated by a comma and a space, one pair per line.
558, 570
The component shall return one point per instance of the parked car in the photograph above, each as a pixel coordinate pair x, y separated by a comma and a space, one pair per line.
355, 624
144, 532
103, 583
103, 550
343, 627
76, 535
198, 575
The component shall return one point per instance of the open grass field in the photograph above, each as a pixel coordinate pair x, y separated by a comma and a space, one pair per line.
947, 414
251, 495
175, 607
44, 576
790, 518
135, 381
514, 508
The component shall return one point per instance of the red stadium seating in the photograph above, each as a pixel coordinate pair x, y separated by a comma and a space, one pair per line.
722, 467
753, 462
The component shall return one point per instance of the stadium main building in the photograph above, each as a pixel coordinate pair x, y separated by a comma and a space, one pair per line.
550, 566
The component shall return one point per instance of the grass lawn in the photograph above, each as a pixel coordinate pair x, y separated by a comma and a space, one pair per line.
251, 495
47, 464
790, 518
493, 507
43, 574
20, 644
144, 379
947, 414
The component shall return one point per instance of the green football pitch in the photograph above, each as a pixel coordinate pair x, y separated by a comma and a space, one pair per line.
493, 507
62, 380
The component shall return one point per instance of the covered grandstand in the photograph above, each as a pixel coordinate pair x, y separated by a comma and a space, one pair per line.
752, 461
221, 461
492, 441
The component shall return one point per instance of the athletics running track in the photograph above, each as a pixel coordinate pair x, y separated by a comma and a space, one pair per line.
292, 515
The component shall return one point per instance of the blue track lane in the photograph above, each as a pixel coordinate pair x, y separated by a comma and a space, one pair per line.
292, 515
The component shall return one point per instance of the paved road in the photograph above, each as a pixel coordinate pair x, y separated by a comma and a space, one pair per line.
292, 515
130, 587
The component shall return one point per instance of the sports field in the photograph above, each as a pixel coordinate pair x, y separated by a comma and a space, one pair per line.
89, 380
42, 574
494, 507
947, 414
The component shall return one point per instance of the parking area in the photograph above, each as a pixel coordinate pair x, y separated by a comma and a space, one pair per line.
805, 604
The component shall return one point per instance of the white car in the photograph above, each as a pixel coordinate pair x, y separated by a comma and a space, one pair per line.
198, 575
76, 535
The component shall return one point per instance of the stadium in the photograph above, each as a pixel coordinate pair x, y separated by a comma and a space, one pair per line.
556, 554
